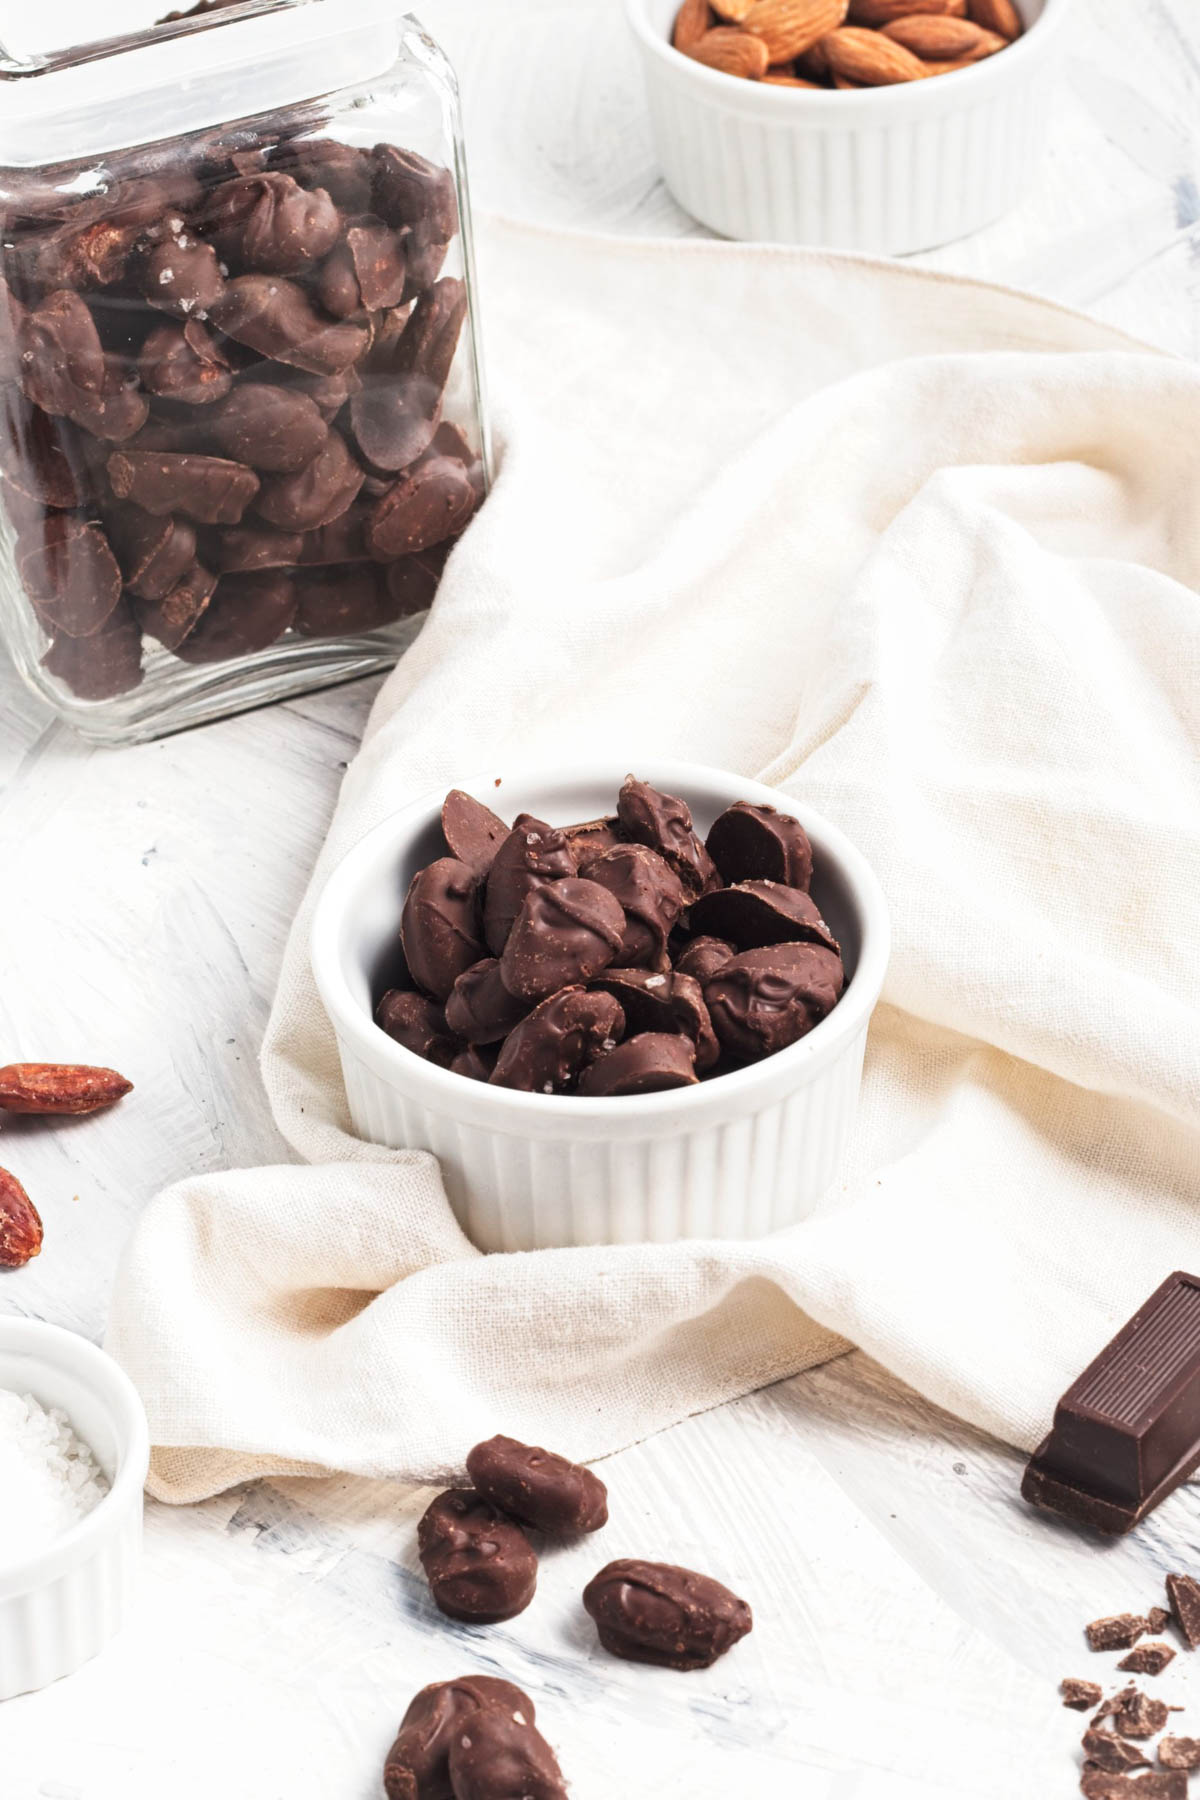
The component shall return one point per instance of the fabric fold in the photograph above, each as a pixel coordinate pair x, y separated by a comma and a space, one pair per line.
924, 554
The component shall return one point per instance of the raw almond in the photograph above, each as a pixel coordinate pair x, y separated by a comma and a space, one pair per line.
788, 27
870, 58
996, 15
882, 12
20, 1227
64, 1088
814, 62
772, 80
734, 52
732, 11
691, 22
937, 38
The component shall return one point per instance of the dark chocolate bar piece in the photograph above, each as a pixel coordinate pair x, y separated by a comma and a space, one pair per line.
1127, 1433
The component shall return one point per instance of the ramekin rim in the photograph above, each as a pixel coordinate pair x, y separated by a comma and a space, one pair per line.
450, 1093
68, 1350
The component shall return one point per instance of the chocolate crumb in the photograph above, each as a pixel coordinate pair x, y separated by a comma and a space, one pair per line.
1179, 1753
1079, 1695
1184, 1595
1136, 1715
1158, 1618
1098, 1784
1113, 1754
1120, 1632
1147, 1659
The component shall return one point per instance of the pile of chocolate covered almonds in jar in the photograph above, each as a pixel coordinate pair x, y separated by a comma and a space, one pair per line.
616, 956
222, 371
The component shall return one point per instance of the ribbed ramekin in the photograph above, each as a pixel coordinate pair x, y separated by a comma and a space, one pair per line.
737, 1156
887, 169
59, 1608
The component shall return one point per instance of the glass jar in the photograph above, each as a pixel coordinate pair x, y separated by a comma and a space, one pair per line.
241, 408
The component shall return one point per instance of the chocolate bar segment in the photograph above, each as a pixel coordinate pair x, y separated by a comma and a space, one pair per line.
1127, 1433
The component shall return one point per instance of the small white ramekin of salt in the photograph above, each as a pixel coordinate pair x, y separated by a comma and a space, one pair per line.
74, 1450
49, 1478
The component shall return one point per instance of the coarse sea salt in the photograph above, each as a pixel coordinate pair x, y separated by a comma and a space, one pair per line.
49, 1478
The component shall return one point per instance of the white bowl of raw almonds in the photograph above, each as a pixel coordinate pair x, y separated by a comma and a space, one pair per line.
881, 125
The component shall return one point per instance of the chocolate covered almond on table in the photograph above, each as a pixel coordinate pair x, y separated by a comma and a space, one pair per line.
611, 957
240, 417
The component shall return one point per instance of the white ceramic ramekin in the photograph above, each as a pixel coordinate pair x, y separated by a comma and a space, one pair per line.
58, 1609
737, 1156
888, 169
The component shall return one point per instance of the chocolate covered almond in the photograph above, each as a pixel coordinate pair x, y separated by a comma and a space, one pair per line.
419, 1024
433, 502
565, 932
764, 1000
479, 1565
472, 830
480, 1008
550, 1048
651, 895
649, 1063
273, 429
663, 822
532, 852
316, 494
208, 488
755, 913
274, 316
246, 613
440, 926
759, 843
658, 1002
659, 1613
538, 1487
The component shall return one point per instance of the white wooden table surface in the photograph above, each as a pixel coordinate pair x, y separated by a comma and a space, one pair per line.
913, 1619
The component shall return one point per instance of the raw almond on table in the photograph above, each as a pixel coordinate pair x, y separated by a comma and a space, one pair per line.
842, 43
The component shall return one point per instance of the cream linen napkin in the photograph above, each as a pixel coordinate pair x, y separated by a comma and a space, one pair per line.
923, 553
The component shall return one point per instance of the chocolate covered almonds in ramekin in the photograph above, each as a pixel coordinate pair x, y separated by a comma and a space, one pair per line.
737, 1155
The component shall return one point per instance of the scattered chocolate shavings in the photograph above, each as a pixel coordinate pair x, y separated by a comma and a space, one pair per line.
1158, 1618
1112, 1754
1179, 1753
1147, 1659
1184, 1595
1079, 1695
1136, 1715
1122, 1631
